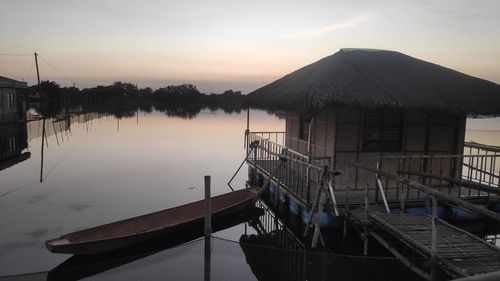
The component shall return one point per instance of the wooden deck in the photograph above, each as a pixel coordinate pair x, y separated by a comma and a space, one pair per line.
459, 253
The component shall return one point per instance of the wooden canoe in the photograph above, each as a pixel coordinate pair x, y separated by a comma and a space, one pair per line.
78, 267
120, 234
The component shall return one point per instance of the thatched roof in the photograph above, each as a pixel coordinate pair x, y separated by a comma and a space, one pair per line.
380, 78
11, 83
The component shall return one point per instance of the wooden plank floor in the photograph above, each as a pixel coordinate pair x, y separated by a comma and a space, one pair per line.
459, 252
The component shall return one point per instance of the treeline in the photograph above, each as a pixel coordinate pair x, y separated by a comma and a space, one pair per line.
55, 99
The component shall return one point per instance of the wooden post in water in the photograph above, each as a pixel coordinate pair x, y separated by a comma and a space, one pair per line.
207, 258
208, 208
208, 228
247, 131
41, 151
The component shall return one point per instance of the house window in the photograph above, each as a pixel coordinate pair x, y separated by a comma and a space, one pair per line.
12, 144
304, 129
10, 100
382, 131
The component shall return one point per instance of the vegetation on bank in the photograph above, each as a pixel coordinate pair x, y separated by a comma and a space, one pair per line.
56, 99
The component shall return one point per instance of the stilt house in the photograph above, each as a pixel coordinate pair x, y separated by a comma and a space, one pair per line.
375, 146
359, 104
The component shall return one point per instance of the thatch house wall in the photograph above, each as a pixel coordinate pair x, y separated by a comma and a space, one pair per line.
340, 133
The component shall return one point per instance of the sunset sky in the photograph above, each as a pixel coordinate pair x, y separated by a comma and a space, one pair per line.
241, 45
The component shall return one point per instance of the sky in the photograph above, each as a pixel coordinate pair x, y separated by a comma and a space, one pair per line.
232, 44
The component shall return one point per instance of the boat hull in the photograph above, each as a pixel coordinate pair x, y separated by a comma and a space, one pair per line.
82, 242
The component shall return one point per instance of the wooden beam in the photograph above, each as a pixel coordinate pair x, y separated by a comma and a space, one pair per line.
401, 258
492, 276
482, 146
461, 182
432, 191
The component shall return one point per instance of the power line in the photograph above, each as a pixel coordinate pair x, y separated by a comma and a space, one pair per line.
29, 73
16, 55
60, 73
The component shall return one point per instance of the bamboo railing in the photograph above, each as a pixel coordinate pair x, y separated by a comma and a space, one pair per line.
297, 173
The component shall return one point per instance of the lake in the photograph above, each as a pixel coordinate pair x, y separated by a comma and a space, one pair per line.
100, 167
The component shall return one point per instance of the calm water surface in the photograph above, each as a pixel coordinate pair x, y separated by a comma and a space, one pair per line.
106, 169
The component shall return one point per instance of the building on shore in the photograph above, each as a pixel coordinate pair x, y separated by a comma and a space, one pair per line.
13, 134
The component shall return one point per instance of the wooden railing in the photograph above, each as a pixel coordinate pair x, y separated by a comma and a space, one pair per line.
297, 173
482, 168
276, 137
458, 175
291, 174
474, 174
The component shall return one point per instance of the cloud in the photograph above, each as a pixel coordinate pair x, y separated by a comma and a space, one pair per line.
78, 206
41, 232
10, 246
36, 198
349, 23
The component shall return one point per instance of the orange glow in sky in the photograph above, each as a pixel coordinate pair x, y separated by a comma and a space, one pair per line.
241, 45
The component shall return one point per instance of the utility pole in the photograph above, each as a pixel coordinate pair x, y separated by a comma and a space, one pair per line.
37, 71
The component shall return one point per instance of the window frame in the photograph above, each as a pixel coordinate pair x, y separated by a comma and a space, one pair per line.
382, 129
304, 128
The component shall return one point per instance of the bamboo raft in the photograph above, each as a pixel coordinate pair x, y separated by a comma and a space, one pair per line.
459, 252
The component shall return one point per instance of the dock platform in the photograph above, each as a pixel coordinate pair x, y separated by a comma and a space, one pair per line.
459, 253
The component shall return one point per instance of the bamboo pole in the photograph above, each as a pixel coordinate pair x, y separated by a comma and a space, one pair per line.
431, 191
434, 239
309, 159
492, 276
365, 235
401, 258
466, 183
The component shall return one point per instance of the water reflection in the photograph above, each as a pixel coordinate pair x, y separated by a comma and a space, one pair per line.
94, 174
277, 251
267, 246
78, 267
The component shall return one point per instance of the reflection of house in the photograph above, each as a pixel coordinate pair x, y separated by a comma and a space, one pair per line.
13, 136
278, 252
